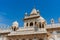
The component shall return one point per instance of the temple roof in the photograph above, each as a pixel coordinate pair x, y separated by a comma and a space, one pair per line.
34, 11
41, 19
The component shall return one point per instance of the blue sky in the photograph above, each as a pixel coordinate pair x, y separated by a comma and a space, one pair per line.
14, 10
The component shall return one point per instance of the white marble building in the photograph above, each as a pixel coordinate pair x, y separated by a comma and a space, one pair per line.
35, 28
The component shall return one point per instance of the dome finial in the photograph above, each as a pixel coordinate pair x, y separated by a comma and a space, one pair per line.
52, 21
15, 25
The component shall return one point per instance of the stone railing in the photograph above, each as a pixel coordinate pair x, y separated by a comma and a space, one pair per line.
53, 25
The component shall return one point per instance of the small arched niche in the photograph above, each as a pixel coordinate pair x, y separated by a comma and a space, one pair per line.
39, 24
27, 24
43, 24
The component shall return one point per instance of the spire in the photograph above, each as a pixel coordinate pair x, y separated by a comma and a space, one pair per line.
34, 11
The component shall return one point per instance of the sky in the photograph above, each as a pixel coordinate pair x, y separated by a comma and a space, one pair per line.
14, 10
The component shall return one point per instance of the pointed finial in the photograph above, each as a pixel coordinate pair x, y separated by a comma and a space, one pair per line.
59, 19
52, 21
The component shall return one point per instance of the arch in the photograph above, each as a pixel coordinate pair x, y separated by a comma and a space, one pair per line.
26, 24
35, 23
14, 28
23, 39
17, 39
10, 39
40, 39
30, 39
31, 24
42, 25
39, 24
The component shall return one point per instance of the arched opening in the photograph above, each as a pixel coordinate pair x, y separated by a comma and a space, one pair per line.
10, 39
14, 28
31, 24
30, 39
42, 25
40, 39
35, 23
39, 24
17, 39
23, 39
26, 24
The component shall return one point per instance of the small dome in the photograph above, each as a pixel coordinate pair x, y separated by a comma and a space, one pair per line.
52, 20
26, 13
41, 19
15, 23
38, 11
34, 11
